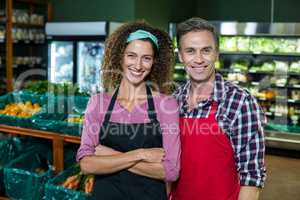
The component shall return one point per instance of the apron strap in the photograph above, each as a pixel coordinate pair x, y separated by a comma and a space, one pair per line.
213, 109
151, 107
111, 105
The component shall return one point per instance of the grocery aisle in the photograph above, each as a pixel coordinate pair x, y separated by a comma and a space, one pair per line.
283, 181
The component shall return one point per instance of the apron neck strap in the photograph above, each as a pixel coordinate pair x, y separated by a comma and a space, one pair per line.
111, 105
214, 108
151, 107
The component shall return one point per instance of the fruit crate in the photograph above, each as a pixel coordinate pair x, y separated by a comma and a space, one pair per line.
25, 177
17, 108
54, 189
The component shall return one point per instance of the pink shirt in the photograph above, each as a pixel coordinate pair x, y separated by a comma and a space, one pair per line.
167, 114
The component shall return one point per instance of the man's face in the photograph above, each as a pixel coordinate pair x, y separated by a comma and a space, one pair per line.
198, 53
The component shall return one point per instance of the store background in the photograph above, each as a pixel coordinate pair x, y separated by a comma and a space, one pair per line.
283, 166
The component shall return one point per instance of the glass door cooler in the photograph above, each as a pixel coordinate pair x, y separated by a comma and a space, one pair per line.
75, 51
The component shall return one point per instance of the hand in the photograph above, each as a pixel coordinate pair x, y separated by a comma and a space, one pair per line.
102, 150
153, 155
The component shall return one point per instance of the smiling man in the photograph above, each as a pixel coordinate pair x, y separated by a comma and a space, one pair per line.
221, 125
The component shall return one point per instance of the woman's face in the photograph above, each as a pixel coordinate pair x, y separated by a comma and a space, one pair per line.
137, 61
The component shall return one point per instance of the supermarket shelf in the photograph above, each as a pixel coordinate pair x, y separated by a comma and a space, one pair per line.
36, 2
282, 140
29, 42
251, 71
57, 139
232, 70
23, 25
259, 53
31, 66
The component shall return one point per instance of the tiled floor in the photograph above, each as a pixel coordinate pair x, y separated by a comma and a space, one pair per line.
283, 181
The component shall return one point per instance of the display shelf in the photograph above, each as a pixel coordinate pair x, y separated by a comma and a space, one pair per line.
222, 70
285, 140
23, 25
259, 53
17, 47
273, 73
57, 141
31, 66
34, 2
28, 42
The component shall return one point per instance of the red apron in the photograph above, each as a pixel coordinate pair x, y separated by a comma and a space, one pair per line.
208, 170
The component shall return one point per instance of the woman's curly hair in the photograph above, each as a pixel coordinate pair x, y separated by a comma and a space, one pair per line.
162, 68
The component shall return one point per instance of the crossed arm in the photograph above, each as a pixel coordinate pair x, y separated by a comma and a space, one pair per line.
145, 162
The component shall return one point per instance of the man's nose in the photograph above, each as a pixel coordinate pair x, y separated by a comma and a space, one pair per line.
198, 57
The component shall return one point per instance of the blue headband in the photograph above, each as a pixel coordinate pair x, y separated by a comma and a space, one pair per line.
141, 34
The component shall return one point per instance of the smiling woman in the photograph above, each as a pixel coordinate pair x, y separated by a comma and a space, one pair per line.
130, 139
163, 57
137, 61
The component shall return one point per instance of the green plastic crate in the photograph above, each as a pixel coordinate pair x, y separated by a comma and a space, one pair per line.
57, 111
21, 180
54, 191
16, 97
10, 148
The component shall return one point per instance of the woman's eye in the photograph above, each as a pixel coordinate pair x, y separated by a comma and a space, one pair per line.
130, 55
148, 59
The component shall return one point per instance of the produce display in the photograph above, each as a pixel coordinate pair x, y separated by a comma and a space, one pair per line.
66, 89
259, 44
25, 34
23, 17
76, 120
80, 182
241, 65
237, 77
27, 60
25, 110
295, 67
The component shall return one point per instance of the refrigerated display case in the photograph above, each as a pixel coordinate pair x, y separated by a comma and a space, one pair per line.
75, 51
263, 58
61, 62
89, 57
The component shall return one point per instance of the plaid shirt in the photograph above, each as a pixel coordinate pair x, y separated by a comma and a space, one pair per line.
242, 119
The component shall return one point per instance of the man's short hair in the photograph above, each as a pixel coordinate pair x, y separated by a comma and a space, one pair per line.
196, 24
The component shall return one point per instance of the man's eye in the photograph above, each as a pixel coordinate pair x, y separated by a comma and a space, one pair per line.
206, 50
189, 50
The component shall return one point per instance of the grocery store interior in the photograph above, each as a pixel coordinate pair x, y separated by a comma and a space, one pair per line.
50, 63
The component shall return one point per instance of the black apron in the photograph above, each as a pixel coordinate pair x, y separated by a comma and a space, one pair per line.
124, 185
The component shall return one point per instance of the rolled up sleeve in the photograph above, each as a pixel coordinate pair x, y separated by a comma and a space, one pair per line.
91, 126
169, 122
249, 143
